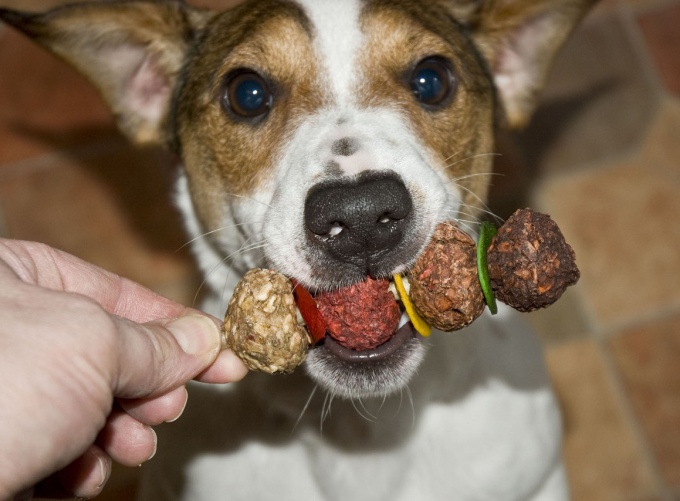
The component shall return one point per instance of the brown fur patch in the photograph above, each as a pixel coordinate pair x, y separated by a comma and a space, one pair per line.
237, 155
460, 131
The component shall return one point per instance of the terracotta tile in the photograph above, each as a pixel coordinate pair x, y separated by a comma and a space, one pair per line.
598, 102
660, 30
662, 147
111, 209
601, 454
623, 225
565, 320
44, 105
604, 5
649, 360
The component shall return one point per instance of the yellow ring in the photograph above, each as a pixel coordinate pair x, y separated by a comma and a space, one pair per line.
419, 324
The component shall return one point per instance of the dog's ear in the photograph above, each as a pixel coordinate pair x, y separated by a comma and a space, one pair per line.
131, 51
519, 39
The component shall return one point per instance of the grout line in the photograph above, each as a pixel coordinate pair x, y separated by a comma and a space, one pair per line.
626, 15
650, 7
601, 336
631, 416
613, 329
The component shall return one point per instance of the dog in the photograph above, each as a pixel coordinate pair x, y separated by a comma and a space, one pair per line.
386, 110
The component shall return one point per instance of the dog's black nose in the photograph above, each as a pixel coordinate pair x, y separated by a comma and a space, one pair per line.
359, 220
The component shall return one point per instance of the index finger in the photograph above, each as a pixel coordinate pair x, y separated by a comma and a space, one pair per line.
47, 267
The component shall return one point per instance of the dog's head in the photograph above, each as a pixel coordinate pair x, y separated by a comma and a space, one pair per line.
323, 138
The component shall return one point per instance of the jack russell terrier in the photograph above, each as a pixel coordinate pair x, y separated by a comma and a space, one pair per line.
389, 106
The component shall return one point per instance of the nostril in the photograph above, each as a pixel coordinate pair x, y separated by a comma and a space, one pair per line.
360, 218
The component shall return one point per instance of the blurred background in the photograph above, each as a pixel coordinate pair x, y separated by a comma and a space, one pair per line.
602, 156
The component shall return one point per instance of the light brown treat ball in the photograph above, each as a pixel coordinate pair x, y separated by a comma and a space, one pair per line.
261, 324
445, 289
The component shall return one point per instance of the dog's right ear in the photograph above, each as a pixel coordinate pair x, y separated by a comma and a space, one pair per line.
131, 51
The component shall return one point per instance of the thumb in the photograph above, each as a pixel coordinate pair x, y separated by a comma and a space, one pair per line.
159, 356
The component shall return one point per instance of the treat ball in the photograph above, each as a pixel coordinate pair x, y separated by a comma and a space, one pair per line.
261, 324
530, 263
361, 316
445, 288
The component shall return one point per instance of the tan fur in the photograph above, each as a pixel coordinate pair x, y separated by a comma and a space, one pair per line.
235, 154
161, 31
455, 135
497, 26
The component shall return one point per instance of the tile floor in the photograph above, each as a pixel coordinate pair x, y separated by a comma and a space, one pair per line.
602, 156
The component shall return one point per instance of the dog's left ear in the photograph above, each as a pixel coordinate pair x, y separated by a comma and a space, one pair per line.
519, 39
131, 51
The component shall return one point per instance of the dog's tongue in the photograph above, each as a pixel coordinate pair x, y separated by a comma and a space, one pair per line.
361, 316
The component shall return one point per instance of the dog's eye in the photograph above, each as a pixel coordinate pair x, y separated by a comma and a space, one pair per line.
432, 82
247, 95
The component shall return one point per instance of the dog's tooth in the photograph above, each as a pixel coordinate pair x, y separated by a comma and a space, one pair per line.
393, 289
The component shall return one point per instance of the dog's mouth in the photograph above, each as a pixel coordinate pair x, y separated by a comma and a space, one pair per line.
353, 363
380, 353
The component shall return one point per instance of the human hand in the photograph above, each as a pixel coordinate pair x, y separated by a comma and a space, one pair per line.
89, 361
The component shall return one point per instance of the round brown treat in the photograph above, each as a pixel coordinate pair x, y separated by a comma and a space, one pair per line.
261, 324
361, 316
530, 263
444, 285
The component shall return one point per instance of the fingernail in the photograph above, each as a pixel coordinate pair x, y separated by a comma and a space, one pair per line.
179, 414
196, 334
155, 444
104, 470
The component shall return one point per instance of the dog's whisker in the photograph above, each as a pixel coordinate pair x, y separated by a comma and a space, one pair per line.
223, 261
212, 232
483, 207
407, 388
326, 408
369, 413
466, 227
401, 401
473, 175
363, 416
250, 199
304, 409
225, 299
455, 215
451, 156
463, 216
382, 403
471, 157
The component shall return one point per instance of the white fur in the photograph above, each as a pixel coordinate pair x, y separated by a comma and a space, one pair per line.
477, 422
483, 425
386, 144
337, 41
